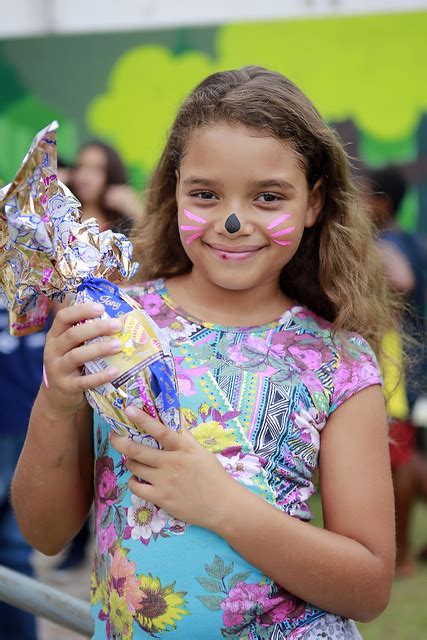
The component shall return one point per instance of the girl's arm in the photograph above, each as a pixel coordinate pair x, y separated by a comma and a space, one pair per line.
346, 568
52, 486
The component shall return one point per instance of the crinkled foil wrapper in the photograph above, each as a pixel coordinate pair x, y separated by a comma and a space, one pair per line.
47, 252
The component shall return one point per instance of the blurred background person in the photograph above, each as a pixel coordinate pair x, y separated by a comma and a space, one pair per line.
99, 180
64, 171
405, 262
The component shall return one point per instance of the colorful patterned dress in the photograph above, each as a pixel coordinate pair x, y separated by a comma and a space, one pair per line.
257, 398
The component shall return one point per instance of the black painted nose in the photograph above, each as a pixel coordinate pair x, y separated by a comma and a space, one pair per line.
232, 224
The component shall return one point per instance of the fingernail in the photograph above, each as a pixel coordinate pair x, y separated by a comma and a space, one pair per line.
115, 324
116, 345
131, 412
112, 371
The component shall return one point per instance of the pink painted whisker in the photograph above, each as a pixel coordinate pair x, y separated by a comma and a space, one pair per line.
279, 220
191, 239
187, 227
284, 243
192, 216
284, 232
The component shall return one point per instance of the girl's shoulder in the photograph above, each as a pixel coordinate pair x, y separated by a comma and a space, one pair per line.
344, 359
346, 344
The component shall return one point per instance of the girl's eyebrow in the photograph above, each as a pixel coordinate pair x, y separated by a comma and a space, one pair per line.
258, 184
195, 180
271, 183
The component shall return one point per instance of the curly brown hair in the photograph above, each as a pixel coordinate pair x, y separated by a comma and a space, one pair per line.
337, 271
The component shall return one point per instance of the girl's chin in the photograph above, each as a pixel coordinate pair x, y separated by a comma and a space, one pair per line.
233, 281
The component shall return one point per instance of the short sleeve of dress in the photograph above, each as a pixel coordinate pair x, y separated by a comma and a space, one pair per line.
357, 369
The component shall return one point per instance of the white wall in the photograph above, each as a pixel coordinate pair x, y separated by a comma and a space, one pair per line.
42, 17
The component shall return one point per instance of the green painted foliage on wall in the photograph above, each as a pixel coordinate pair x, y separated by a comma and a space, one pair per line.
365, 68
370, 68
145, 89
18, 125
12, 89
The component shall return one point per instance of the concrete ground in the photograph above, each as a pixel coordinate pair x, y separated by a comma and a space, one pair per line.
75, 582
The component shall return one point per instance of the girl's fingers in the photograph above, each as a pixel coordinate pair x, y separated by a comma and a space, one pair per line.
136, 451
69, 316
77, 335
78, 356
93, 380
143, 490
168, 439
142, 471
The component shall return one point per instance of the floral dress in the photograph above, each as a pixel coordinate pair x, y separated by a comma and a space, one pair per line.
257, 398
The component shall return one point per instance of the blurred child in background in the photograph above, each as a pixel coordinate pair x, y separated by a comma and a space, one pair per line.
99, 180
404, 257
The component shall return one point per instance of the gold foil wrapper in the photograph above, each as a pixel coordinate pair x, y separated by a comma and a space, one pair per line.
45, 248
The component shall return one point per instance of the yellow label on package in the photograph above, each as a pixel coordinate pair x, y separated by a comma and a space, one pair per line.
140, 347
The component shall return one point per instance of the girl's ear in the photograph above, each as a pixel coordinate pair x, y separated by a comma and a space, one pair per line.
316, 200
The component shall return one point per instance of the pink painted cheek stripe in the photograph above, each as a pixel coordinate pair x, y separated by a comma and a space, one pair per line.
189, 227
191, 239
277, 234
45, 380
284, 243
279, 220
192, 216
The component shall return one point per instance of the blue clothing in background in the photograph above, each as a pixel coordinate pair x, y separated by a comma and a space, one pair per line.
21, 363
414, 317
15, 552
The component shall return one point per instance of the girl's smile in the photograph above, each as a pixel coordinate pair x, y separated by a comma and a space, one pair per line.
239, 253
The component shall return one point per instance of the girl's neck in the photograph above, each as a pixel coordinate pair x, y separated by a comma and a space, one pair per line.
208, 302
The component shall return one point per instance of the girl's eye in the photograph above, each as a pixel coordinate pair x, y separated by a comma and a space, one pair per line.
269, 197
203, 195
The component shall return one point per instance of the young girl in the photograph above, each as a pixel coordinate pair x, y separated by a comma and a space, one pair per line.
259, 266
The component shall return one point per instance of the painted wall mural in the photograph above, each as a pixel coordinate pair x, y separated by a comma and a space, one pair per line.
366, 74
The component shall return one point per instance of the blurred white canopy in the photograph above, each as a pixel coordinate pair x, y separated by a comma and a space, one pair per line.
20, 18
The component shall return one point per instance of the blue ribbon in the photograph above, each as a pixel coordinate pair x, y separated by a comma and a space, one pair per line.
107, 294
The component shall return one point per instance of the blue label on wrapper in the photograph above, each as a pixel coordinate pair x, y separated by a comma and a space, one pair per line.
106, 293
162, 384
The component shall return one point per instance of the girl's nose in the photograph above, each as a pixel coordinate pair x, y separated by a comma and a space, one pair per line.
232, 224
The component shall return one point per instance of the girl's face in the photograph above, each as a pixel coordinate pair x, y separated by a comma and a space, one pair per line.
90, 175
230, 170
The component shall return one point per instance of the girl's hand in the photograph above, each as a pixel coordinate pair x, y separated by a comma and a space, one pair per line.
65, 353
185, 480
124, 199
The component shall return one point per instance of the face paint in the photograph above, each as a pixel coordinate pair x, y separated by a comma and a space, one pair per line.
187, 227
277, 234
191, 239
285, 243
281, 232
192, 216
232, 224
278, 220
